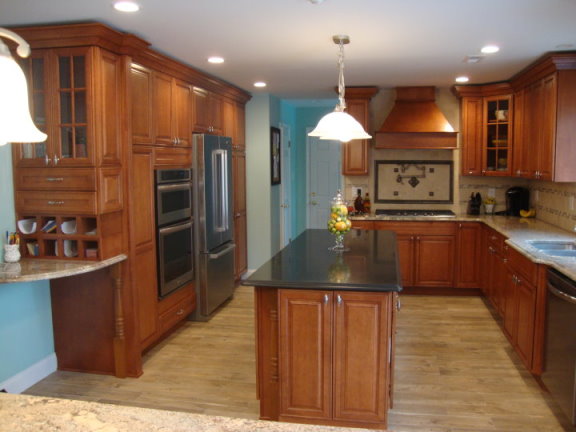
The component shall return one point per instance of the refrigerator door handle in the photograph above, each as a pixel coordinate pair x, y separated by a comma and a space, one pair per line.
222, 252
220, 189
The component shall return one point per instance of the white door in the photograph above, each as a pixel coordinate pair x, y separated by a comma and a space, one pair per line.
324, 179
285, 187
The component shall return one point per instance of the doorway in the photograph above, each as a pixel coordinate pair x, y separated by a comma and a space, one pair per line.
323, 178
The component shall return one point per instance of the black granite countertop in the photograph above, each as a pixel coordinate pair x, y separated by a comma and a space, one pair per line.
370, 264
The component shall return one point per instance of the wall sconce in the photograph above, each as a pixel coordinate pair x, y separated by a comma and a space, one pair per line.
15, 122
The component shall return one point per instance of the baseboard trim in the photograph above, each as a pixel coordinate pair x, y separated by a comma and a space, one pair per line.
30, 376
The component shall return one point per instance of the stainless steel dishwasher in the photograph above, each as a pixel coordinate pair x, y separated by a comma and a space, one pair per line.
560, 349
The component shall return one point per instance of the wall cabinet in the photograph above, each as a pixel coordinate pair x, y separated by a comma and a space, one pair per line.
324, 356
161, 108
547, 132
355, 158
487, 129
427, 252
208, 116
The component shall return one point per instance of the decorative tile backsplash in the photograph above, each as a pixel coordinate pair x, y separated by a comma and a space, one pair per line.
555, 203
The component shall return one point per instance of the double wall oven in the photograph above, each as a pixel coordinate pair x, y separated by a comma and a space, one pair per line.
174, 229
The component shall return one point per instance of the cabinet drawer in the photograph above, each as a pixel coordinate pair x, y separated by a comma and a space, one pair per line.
364, 225
72, 179
55, 203
496, 240
171, 156
523, 266
176, 313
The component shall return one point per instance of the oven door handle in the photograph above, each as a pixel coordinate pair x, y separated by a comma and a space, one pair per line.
561, 294
173, 228
172, 187
222, 252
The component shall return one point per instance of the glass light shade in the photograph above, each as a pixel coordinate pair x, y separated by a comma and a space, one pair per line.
339, 126
15, 122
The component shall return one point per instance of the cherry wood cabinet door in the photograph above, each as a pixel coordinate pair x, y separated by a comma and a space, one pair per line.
241, 254
405, 244
229, 126
182, 113
162, 103
305, 319
545, 151
141, 101
240, 121
471, 117
143, 249
361, 356
526, 300
201, 118
434, 258
468, 255
510, 307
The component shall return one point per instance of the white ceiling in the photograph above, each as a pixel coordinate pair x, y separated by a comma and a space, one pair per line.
288, 43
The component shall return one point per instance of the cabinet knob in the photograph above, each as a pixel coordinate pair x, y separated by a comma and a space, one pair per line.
180, 312
46, 159
470, 172
56, 160
339, 299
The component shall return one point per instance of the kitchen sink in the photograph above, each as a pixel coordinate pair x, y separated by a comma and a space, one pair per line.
559, 248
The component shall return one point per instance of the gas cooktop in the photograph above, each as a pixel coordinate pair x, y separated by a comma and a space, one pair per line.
402, 212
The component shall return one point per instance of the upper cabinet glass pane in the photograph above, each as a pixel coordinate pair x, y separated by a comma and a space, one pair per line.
65, 77
79, 72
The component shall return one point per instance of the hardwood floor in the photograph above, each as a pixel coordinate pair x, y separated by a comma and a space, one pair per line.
455, 371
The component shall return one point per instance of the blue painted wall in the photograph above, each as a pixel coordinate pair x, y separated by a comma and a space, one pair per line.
25, 312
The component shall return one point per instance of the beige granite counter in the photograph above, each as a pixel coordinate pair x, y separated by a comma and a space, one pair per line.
19, 413
33, 269
519, 231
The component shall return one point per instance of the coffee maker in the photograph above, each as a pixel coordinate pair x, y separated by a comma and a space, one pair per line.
517, 198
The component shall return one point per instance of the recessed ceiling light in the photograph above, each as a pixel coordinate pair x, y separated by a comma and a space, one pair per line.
215, 60
126, 6
462, 79
490, 49
260, 84
315, 1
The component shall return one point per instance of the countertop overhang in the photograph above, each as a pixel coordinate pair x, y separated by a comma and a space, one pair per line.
369, 264
35, 269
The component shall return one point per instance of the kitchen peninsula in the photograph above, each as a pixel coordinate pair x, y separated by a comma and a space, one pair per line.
325, 329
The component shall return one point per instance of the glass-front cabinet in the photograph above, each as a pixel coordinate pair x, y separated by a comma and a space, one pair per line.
497, 135
59, 90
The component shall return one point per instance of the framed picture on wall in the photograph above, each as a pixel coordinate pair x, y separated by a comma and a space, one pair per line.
275, 155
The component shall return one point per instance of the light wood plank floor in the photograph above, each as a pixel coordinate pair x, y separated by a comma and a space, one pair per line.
455, 371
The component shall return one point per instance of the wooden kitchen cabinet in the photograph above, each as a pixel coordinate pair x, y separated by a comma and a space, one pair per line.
208, 115
427, 252
547, 129
487, 129
75, 177
355, 158
468, 255
334, 357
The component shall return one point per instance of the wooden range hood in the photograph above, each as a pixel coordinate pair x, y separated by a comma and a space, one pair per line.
416, 122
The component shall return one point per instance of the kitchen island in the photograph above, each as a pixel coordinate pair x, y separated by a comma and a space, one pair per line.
325, 329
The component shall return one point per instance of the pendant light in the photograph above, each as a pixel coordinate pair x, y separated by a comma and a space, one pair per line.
15, 122
339, 125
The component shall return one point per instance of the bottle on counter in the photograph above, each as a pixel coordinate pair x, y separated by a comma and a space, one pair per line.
367, 204
359, 202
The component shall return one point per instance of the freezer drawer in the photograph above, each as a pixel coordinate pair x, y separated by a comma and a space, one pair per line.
217, 278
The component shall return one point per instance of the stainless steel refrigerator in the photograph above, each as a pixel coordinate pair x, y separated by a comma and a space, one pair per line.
212, 161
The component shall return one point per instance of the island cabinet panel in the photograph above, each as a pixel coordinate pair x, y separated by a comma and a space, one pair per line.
306, 354
324, 356
361, 348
